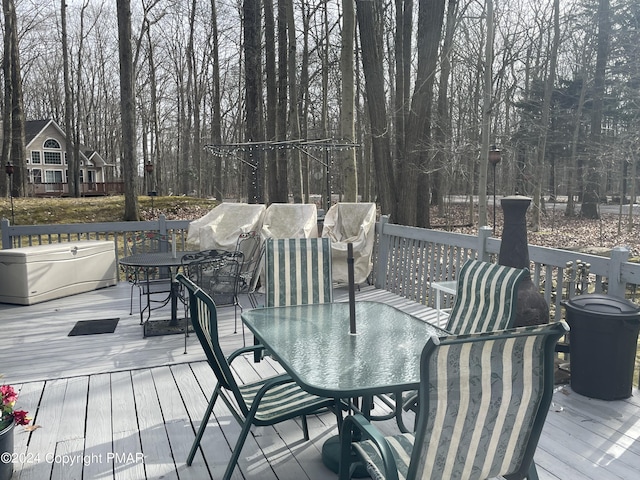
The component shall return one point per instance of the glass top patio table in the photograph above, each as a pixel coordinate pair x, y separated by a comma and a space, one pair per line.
160, 260
313, 344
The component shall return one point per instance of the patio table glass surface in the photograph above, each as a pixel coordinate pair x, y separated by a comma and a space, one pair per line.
313, 344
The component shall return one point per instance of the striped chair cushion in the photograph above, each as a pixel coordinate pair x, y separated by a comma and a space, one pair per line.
298, 271
486, 297
279, 401
401, 447
483, 401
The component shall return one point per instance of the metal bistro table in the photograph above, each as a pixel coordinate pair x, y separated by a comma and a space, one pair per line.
313, 344
172, 263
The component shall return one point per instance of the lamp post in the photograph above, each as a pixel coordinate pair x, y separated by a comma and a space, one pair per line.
149, 169
495, 155
8, 168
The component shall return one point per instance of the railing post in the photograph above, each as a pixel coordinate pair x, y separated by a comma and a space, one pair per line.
617, 288
6, 238
163, 232
483, 234
383, 254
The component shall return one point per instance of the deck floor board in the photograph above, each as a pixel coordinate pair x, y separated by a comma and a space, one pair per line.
121, 406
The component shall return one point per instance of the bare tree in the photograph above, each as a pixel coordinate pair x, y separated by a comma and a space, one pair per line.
347, 111
253, 96
127, 111
271, 100
294, 116
546, 107
413, 169
369, 28
591, 196
13, 118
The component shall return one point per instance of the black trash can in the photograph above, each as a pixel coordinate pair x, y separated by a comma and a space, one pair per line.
603, 342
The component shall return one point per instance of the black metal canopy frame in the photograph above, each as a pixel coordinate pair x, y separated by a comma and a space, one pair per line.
327, 145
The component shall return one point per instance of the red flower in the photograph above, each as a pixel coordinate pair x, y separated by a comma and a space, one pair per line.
20, 417
8, 394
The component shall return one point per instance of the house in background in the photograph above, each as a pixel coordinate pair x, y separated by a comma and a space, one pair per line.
47, 164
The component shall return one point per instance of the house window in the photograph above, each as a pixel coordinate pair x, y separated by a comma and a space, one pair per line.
36, 175
53, 179
53, 176
52, 158
35, 157
51, 143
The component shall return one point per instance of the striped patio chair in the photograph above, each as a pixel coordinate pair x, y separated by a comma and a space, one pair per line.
485, 297
486, 300
265, 402
485, 399
298, 271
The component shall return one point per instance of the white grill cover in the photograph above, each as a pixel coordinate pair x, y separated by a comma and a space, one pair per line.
355, 223
290, 220
219, 229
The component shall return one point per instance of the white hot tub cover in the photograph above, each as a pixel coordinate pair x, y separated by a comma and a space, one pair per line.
351, 223
219, 229
290, 220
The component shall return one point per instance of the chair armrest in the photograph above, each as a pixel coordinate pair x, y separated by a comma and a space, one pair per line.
358, 425
243, 350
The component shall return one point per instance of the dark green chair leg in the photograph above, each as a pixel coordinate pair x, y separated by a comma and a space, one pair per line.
203, 425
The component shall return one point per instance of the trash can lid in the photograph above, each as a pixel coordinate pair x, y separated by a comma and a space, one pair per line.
604, 304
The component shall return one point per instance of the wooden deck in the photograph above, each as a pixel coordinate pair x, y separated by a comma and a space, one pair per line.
120, 406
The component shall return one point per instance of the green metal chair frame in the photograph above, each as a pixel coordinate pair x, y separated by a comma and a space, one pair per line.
263, 403
484, 399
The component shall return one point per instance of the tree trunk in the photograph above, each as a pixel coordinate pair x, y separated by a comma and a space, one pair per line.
216, 116
442, 130
347, 110
127, 112
591, 197
272, 100
294, 120
544, 123
253, 97
413, 172
14, 140
369, 25
282, 193
68, 102
486, 118
403, 38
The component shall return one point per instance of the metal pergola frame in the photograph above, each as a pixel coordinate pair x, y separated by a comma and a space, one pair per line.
304, 145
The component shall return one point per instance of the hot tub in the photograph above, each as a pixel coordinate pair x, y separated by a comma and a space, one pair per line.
35, 274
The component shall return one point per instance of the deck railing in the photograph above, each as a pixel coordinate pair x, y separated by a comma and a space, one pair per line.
406, 260
28, 235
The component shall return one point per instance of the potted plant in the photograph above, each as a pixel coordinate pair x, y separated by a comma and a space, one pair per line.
8, 419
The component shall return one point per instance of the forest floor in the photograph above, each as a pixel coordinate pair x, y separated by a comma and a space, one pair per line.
556, 230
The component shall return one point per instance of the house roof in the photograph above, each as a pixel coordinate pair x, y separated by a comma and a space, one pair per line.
33, 127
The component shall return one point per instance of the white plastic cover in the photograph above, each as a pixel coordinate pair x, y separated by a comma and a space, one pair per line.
351, 223
219, 229
290, 220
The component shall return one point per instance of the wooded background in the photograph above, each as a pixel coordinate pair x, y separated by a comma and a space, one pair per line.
405, 98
